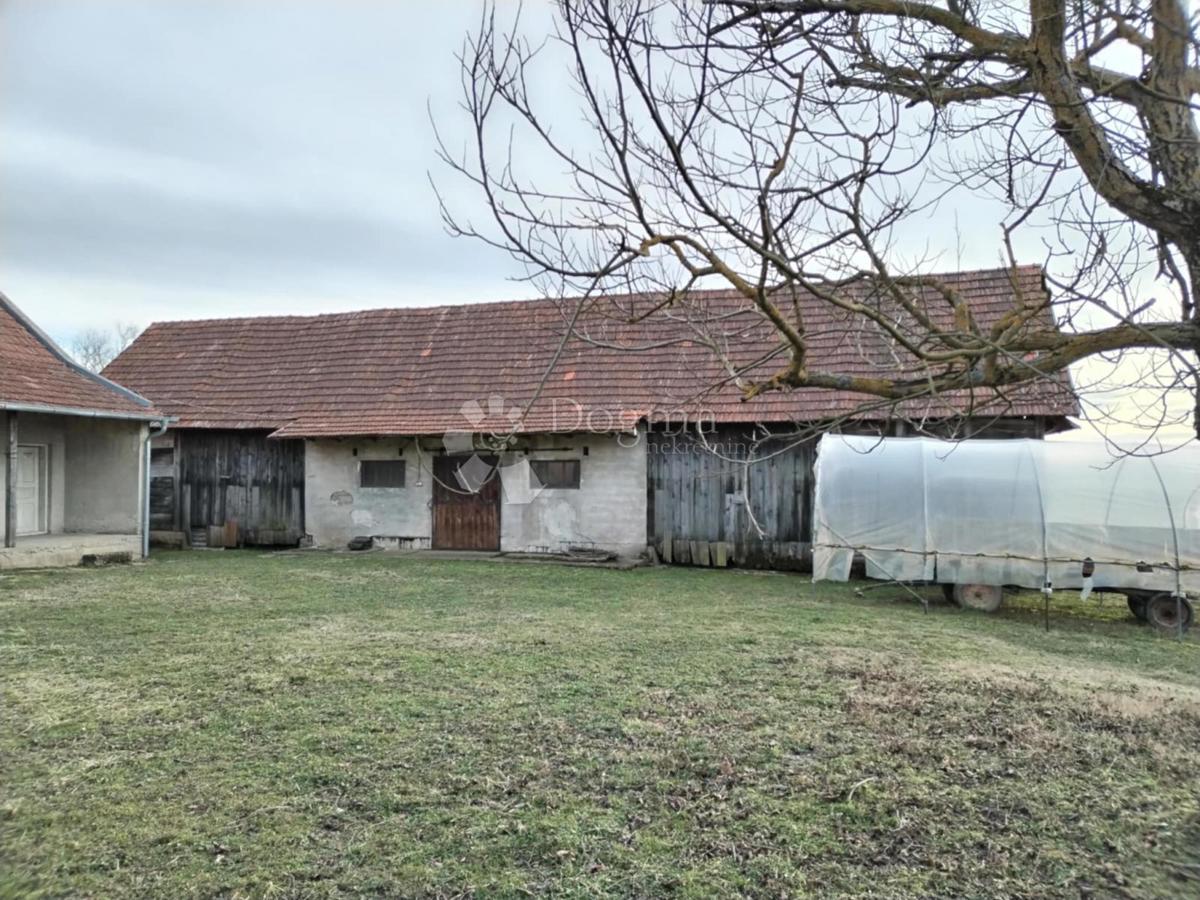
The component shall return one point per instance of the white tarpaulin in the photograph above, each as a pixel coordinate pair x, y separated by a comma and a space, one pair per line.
1016, 512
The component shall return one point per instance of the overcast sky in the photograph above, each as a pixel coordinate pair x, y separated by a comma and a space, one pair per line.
185, 159
198, 158
167, 159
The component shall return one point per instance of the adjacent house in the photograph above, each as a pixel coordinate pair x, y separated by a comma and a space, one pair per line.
75, 447
486, 427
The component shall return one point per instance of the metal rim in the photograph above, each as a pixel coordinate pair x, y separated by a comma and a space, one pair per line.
1163, 611
982, 597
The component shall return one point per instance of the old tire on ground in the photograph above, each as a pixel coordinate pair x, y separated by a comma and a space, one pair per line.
983, 597
1163, 612
1137, 605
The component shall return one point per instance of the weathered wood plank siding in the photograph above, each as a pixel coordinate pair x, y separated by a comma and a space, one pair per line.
733, 501
241, 476
162, 503
729, 499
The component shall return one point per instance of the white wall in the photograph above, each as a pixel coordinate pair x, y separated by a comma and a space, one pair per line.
607, 510
337, 509
94, 471
104, 475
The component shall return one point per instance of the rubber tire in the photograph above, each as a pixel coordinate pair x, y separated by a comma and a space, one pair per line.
1137, 605
983, 597
1161, 613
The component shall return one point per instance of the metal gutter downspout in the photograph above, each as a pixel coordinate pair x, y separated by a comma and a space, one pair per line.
155, 429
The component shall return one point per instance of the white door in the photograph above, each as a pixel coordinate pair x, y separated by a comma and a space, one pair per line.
31, 490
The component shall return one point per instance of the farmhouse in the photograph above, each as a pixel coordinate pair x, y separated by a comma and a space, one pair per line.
480, 427
75, 454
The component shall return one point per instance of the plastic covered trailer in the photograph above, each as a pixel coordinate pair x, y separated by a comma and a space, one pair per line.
1044, 515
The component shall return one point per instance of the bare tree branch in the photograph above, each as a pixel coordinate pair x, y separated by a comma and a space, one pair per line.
781, 148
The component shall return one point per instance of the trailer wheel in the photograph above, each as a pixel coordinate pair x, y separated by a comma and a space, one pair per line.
983, 597
1163, 612
1137, 605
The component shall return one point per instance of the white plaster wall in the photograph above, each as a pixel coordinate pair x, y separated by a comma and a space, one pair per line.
104, 475
36, 428
94, 471
336, 509
608, 510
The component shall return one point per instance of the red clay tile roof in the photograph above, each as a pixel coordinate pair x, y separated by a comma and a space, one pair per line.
410, 371
35, 373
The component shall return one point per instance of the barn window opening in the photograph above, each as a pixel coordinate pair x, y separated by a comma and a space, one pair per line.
554, 473
162, 456
381, 473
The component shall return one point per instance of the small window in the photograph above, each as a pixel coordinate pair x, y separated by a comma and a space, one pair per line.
381, 473
555, 473
162, 456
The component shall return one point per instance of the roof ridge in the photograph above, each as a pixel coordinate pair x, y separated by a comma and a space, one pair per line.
528, 301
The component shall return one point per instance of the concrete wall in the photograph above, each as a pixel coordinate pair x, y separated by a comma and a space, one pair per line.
104, 475
607, 510
337, 509
94, 471
36, 428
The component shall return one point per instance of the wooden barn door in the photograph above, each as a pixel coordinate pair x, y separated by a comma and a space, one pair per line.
244, 483
465, 519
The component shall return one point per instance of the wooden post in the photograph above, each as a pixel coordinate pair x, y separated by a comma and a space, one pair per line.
10, 491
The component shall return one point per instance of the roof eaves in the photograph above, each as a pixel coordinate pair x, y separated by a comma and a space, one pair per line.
150, 415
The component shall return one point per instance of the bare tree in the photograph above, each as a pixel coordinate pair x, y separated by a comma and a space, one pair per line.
785, 149
95, 348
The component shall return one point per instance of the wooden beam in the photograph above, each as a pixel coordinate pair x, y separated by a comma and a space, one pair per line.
10, 482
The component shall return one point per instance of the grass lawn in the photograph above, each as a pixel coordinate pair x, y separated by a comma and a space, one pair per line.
318, 725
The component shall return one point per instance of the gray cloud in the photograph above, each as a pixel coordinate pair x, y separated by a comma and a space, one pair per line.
260, 155
128, 228
209, 157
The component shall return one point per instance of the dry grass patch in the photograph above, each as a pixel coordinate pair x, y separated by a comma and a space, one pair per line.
246, 725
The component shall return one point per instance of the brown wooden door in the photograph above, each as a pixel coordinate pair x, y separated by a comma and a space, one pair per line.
462, 519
